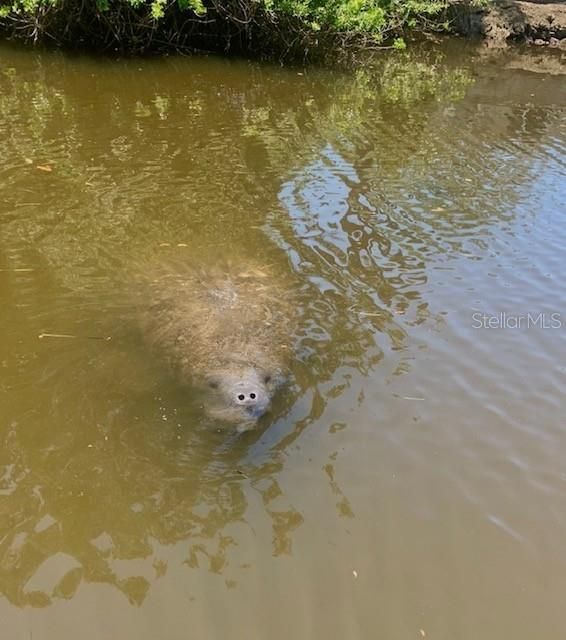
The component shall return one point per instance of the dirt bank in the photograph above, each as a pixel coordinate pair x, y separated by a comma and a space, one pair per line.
538, 22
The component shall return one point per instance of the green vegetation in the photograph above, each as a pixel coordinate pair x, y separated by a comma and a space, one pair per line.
265, 27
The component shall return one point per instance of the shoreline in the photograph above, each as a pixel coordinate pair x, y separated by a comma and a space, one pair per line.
498, 23
505, 22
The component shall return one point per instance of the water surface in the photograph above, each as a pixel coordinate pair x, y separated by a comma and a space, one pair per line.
410, 481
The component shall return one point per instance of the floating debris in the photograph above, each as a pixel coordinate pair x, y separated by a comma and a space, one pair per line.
70, 335
396, 395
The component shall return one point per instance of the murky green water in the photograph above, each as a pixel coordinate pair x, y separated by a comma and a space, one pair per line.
411, 479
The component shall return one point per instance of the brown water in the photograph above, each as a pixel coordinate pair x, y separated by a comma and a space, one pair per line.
411, 479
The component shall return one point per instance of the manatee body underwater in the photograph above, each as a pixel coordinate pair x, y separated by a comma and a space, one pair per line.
226, 330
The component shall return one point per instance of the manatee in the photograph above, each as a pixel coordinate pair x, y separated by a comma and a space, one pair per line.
227, 329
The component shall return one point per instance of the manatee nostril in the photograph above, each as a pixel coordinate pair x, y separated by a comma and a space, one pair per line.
252, 396
241, 397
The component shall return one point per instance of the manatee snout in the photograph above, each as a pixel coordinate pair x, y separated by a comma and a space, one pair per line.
252, 397
246, 394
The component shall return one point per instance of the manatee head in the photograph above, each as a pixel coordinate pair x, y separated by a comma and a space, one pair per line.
243, 395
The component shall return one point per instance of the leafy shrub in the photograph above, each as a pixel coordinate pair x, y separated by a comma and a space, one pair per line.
262, 25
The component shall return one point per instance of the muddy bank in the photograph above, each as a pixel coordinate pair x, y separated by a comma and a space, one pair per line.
536, 22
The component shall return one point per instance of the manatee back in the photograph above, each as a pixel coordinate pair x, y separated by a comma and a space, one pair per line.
219, 317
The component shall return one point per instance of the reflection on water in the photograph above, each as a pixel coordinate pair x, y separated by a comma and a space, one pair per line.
410, 474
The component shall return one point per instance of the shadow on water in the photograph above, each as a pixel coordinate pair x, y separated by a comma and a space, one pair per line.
340, 178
